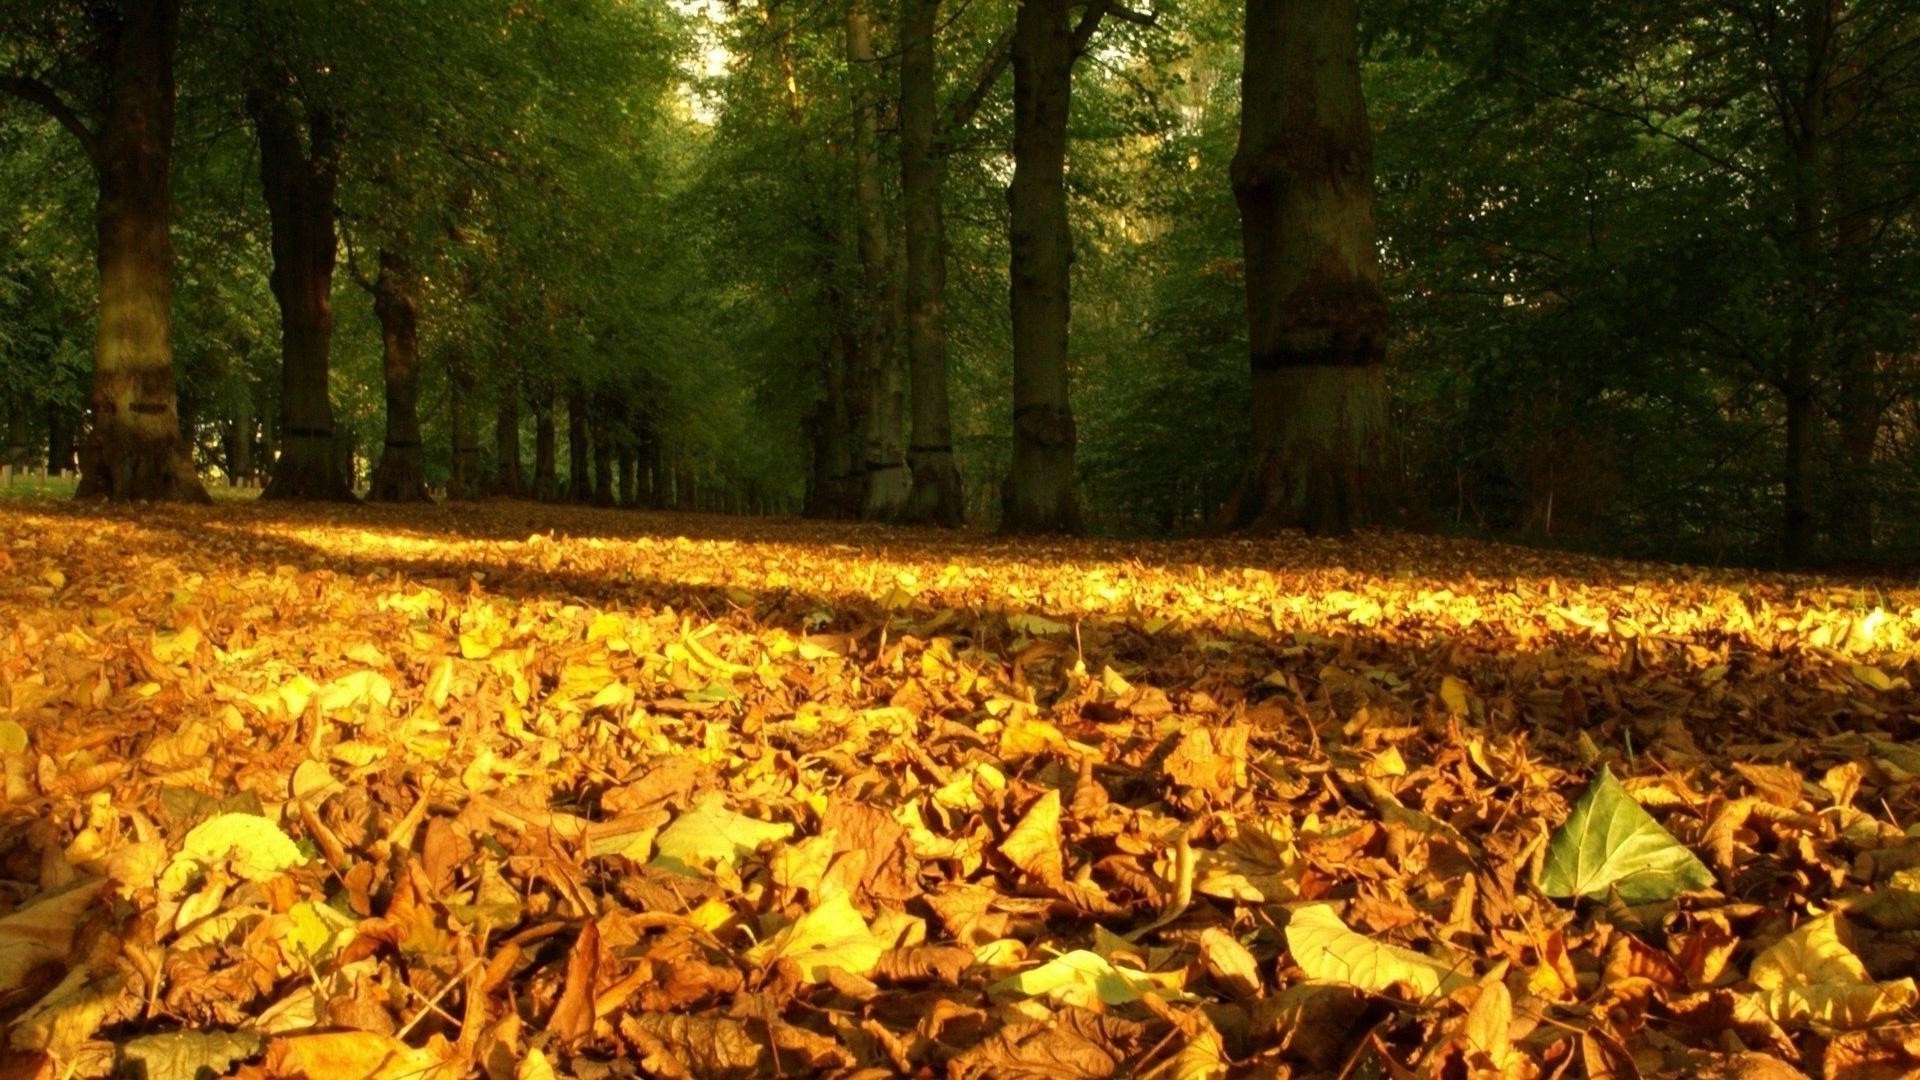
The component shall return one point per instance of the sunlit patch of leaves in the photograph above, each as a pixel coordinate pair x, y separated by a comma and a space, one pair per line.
537, 792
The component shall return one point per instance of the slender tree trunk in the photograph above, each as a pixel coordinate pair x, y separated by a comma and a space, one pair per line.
134, 450
240, 441
299, 183
18, 452
1806, 146
508, 478
546, 468
887, 482
629, 475
937, 495
60, 428
579, 446
401, 475
652, 463
600, 429
466, 480
1038, 496
1303, 179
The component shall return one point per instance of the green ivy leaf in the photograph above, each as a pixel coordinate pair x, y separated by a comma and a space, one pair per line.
1611, 842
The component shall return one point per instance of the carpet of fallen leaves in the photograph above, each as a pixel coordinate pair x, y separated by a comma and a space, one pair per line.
518, 791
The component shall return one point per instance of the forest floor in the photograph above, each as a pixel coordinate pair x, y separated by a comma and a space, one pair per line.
526, 791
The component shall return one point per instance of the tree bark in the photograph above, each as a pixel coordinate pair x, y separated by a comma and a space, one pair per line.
401, 475
579, 446
134, 450
1038, 496
937, 495
508, 479
465, 481
298, 175
546, 468
884, 467
1303, 180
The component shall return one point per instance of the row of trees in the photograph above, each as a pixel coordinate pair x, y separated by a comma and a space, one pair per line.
1652, 268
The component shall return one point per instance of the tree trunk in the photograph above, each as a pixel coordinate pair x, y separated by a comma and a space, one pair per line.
884, 467
240, 440
1038, 496
629, 475
546, 468
1303, 180
652, 464
579, 446
835, 491
600, 429
507, 476
299, 184
466, 480
18, 452
401, 475
60, 429
937, 495
134, 450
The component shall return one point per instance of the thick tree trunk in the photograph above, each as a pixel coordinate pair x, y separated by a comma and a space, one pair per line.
401, 475
134, 450
937, 495
546, 467
884, 466
579, 446
1303, 179
298, 175
1039, 496
508, 478
465, 480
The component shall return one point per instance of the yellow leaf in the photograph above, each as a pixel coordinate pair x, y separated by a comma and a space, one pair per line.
1084, 978
1453, 693
249, 845
13, 738
1035, 844
710, 833
1325, 949
1812, 976
831, 936
177, 647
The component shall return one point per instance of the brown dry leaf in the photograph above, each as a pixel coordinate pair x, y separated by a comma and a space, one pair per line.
744, 797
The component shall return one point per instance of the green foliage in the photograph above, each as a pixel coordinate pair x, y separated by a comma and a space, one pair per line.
1610, 844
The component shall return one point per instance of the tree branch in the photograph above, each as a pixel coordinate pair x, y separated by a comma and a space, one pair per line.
1089, 22
992, 66
35, 92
